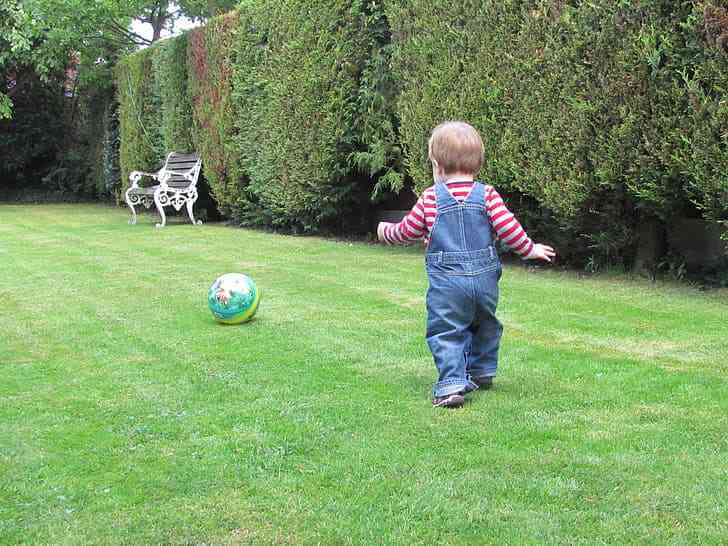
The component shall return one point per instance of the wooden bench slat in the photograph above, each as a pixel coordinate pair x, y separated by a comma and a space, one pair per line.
182, 160
146, 190
173, 164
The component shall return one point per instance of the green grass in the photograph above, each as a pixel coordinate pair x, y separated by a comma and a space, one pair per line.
128, 416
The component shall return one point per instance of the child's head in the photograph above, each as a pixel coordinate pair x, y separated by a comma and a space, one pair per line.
455, 148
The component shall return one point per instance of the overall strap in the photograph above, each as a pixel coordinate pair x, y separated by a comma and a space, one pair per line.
443, 196
477, 195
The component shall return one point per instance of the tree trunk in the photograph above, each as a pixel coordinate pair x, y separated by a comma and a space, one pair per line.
159, 18
157, 26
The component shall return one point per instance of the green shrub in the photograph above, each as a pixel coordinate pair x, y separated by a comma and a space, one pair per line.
294, 146
290, 112
314, 130
89, 142
51, 147
602, 121
700, 81
31, 140
110, 156
287, 103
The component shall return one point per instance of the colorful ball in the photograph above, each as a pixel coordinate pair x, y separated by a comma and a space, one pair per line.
233, 298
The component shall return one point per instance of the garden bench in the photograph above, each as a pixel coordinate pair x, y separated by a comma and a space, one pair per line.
176, 186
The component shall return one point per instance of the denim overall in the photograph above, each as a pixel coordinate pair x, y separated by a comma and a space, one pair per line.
463, 269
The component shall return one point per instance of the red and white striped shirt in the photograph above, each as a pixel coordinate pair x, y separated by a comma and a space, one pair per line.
418, 223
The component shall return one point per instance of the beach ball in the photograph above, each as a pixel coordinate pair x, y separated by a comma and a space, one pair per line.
233, 298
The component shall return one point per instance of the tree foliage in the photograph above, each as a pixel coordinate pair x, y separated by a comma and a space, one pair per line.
15, 49
30, 141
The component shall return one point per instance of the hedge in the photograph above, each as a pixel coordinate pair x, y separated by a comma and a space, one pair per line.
309, 112
209, 71
155, 113
170, 78
701, 155
600, 119
142, 145
585, 108
285, 101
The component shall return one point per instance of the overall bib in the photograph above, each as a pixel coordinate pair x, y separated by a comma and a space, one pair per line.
463, 269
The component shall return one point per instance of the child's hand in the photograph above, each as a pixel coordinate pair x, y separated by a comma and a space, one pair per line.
541, 252
380, 231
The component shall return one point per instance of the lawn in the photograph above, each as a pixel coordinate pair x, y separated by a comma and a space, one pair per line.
128, 416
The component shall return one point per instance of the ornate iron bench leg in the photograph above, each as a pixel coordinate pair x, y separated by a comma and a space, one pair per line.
191, 198
160, 199
131, 200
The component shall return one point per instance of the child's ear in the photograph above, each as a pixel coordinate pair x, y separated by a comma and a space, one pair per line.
437, 172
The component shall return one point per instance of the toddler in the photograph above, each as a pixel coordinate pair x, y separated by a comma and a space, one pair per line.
460, 220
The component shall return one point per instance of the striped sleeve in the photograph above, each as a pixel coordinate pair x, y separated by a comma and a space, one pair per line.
508, 229
412, 227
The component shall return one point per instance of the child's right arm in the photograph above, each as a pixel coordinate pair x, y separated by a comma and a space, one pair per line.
412, 227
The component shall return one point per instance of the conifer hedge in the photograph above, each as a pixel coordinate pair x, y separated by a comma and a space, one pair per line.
310, 116
140, 115
209, 62
171, 83
285, 100
599, 118
606, 115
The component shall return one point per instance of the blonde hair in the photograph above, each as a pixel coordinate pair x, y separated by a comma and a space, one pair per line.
456, 147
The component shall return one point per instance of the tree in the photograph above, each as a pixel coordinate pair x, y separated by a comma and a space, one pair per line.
45, 34
203, 9
15, 44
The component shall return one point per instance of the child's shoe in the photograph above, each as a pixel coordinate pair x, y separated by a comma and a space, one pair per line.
485, 382
454, 400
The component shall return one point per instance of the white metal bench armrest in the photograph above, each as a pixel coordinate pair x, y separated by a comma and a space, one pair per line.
135, 176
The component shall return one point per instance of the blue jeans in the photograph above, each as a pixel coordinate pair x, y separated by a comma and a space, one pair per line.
463, 332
